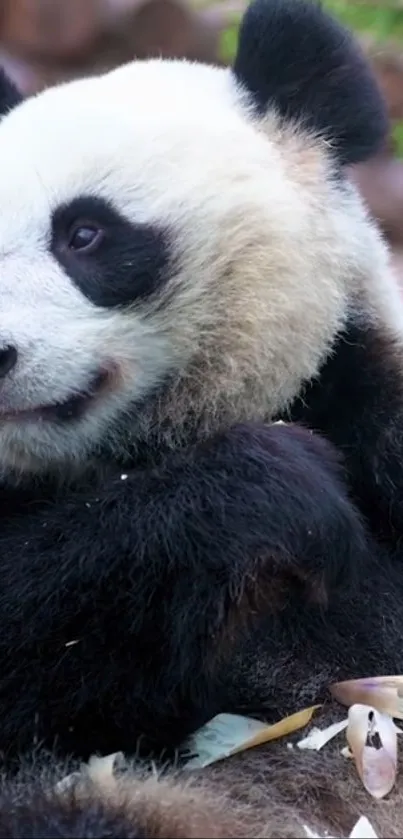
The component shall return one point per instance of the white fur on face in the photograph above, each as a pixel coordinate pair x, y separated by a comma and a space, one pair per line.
270, 254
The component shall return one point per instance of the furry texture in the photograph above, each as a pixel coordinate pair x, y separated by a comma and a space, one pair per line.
166, 553
315, 90
203, 591
269, 249
271, 792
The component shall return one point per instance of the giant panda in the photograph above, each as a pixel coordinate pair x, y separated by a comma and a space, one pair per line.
184, 263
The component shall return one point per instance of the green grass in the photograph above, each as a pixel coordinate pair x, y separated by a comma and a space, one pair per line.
378, 21
229, 41
381, 21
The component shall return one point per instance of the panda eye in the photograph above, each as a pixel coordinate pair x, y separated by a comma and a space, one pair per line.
85, 238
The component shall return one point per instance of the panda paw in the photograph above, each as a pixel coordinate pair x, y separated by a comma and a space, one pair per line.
287, 502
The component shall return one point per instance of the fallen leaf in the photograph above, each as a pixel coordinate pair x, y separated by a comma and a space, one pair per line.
227, 734
385, 693
101, 769
372, 739
282, 728
363, 830
312, 835
317, 737
68, 782
98, 770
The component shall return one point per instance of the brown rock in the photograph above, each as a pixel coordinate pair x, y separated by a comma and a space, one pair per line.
39, 51
50, 29
381, 184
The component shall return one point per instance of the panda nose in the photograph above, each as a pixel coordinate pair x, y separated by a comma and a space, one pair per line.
8, 360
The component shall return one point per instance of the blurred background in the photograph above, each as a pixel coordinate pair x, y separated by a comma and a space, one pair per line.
45, 41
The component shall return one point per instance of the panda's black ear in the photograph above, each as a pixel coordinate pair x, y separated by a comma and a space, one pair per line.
295, 57
9, 94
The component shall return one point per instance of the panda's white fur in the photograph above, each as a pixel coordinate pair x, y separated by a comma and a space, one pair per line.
270, 256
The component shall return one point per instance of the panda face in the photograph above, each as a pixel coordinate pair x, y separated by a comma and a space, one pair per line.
168, 251
88, 254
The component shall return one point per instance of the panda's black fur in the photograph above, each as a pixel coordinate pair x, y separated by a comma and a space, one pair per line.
312, 72
211, 566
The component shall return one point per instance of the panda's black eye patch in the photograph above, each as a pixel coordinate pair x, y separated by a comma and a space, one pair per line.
113, 261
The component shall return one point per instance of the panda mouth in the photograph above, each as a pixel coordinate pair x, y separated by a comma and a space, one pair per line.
70, 409
75, 406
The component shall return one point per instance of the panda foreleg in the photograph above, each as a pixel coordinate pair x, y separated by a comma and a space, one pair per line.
358, 404
116, 609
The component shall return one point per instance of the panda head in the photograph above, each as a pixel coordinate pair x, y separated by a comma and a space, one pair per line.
179, 244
